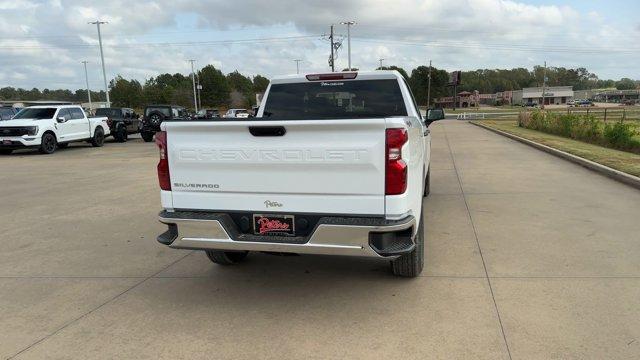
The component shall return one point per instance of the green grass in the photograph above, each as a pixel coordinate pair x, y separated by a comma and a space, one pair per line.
619, 160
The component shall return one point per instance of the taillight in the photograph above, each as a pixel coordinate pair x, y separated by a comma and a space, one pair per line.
163, 164
396, 168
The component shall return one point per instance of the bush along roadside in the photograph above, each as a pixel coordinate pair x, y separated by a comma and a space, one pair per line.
583, 127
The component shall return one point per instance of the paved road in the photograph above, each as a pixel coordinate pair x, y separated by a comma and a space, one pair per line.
528, 257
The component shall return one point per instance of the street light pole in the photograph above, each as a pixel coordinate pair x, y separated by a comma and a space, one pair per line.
349, 23
429, 87
381, 60
86, 77
104, 72
193, 79
297, 65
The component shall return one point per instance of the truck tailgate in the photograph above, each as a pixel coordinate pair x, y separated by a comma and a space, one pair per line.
323, 166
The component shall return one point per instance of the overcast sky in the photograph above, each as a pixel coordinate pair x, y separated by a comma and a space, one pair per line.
42, 43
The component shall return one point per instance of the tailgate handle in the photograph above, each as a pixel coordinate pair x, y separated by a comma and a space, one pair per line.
267, 130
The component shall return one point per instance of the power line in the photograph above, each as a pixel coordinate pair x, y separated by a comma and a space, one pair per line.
185, 43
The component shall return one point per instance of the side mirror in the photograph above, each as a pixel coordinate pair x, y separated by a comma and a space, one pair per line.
434, 115
61, 119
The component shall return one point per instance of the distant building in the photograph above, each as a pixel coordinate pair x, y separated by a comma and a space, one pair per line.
464, 99
617, 96
94, 105
553, 95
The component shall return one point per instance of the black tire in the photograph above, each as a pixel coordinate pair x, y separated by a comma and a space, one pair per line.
147, 136
6, 151
226, 257
427, 184
120, 135
98, 137
411, 264
49, 143
63, 145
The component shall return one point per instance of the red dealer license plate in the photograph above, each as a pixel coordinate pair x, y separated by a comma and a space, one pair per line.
276, 225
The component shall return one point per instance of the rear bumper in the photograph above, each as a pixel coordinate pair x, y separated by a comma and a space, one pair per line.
362, 236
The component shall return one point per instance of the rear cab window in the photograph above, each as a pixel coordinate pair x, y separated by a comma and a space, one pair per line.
76, 113
340, 99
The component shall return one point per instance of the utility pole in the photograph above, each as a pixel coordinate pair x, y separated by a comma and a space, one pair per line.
193, 79
104, 72
199, 88
297, 65
333, 68
86, 77
349, 23
544, 83
429, 87
381, 60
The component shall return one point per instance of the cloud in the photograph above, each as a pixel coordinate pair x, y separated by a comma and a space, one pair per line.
46, 41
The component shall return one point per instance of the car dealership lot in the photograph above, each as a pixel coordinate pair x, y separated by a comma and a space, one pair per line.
527, 256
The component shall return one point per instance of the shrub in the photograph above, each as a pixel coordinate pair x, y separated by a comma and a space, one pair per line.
621, 136
582, 127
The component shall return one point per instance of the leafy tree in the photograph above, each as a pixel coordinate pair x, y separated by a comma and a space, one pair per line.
260, 83
126, 93
243, 85
419, 81
215, 87
625, 84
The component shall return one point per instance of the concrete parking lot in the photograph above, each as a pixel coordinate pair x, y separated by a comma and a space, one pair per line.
527, 257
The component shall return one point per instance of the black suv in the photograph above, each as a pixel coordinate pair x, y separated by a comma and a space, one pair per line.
122, 122
154, 115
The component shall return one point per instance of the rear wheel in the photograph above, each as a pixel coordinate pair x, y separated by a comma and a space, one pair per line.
147, 136
120, 135
98, 137
48, 144
411, 264
226, 257
6, 151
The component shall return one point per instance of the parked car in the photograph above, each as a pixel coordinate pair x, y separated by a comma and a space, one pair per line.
207, 114
237, 113
583, 103
7, 112
154, 115
122, 122
51, 127
530, 104
343, 165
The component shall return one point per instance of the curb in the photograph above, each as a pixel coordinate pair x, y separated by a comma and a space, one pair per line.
614, 174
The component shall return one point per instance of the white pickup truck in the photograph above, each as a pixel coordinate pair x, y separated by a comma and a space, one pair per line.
50, 127
334, 164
